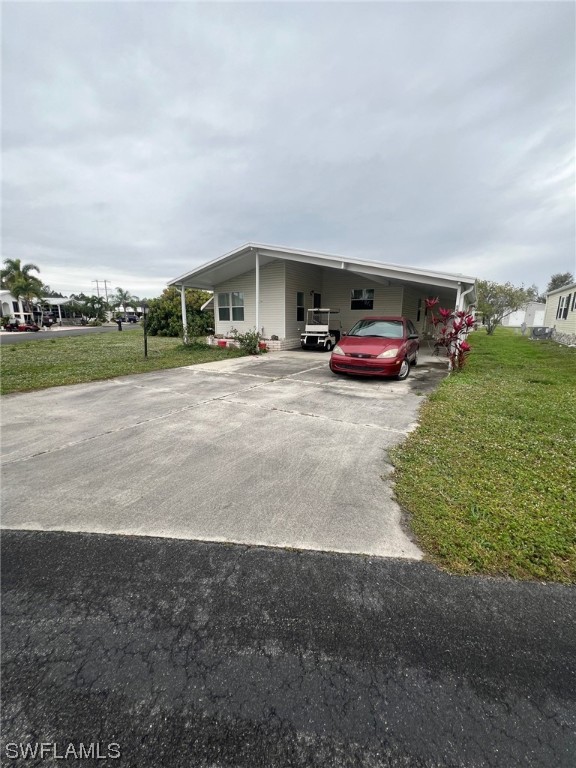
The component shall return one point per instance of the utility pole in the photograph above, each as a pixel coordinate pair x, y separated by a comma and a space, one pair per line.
106, 288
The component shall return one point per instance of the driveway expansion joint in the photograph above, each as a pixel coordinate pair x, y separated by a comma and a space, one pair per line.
322, 417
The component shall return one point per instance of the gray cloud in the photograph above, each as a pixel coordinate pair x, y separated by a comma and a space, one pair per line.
141, 139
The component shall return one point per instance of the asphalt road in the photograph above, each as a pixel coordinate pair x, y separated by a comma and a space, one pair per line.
206, 655
53, 333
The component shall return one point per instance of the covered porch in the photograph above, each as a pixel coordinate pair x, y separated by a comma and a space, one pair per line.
270, 288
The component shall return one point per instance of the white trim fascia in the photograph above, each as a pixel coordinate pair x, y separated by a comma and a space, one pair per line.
396, 271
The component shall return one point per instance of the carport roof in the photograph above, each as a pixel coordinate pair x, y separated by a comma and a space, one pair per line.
241, 260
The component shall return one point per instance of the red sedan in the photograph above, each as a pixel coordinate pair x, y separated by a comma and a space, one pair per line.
22, 327
377, 346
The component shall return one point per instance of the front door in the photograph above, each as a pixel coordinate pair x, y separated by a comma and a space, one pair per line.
317, 301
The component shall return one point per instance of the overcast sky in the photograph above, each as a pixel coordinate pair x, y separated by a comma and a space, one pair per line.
142, 139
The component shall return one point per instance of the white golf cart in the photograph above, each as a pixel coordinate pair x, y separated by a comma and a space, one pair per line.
317, 333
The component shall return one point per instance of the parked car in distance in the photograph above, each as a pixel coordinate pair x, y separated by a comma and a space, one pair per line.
377, 346
21, 327
131, 319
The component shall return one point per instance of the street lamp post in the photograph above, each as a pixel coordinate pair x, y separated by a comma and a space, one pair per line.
144, 308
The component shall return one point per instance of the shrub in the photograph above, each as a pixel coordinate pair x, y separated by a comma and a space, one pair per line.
249, 341
452, 331
164, 314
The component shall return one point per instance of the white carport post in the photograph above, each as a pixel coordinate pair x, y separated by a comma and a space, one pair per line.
467, 291
184, 319
59, 315
257, 292
458, 294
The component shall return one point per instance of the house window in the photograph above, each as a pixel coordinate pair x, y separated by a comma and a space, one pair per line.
231, 305
567, 306
299, 307
574, 301
362, 298
560, 310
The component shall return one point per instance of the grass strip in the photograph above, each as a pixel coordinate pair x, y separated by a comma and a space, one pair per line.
489, 476
31, 365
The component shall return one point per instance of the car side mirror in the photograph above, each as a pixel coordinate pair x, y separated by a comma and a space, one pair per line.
413, 336
343, 333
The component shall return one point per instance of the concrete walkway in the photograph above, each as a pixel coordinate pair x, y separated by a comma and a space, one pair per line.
273, 450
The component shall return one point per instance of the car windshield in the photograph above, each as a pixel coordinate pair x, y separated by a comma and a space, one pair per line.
386, 329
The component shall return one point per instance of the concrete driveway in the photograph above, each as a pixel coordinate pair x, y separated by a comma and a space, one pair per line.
273, 450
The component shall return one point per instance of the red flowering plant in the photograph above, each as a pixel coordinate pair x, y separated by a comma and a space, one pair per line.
452, 329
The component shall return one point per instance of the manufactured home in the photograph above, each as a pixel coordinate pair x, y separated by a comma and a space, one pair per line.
561, 313
270, 288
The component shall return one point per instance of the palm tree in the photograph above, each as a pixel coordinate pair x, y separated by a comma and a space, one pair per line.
22, 285
14, 270
123, 298
94, 306
25, 288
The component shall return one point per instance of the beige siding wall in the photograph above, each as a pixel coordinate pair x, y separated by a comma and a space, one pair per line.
280, 281
337, 286
305, 278
271, 300
562, 325
410, 305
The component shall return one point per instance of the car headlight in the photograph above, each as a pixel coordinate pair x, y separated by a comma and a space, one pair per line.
338, 350
389, 353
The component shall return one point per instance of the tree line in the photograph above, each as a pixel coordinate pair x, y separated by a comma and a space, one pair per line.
495, 301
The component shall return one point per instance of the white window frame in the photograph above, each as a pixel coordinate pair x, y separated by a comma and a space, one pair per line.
232, 303
366, 294
300, 306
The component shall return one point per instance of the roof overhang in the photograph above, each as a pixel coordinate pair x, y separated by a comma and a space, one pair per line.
242, 260
58, 302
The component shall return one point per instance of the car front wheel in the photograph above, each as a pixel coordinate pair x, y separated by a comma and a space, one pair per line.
404, 370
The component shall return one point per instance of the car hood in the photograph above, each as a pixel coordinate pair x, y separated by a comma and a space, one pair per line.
367, 345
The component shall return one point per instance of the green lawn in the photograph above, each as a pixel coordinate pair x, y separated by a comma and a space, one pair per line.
75, 359
489, 477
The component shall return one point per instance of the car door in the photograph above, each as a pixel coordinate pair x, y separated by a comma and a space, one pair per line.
413, 344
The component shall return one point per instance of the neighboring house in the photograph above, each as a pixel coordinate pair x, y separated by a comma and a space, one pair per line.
561, 313
532, 315
59, 308
13, 308
270, 288
63, 309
